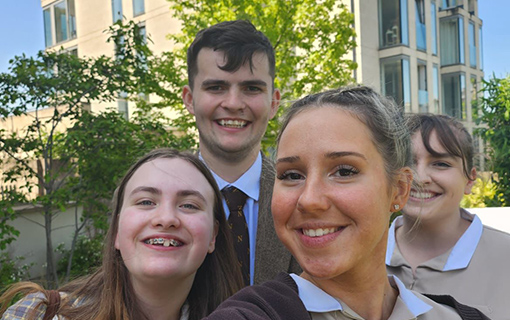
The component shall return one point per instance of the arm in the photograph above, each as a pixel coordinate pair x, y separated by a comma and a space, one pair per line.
274, 300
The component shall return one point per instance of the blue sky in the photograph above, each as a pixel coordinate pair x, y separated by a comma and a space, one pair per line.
21, 31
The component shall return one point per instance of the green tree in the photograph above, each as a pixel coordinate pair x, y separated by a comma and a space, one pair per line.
312, 40
494, 114
81, 154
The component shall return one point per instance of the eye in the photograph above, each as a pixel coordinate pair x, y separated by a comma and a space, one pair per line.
190, 207
290, 175
145, 202
442, 164
346, 171
215, 88
253, 89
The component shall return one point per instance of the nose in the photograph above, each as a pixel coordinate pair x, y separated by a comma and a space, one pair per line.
166, 217
313, 198
422, 175
233, 100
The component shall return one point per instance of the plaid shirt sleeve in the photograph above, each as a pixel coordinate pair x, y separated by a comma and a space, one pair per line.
23, 307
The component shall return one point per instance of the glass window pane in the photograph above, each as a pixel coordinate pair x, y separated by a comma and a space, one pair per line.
452, 41
472, 46
48, 38
454, 95
421, 31
435, 89
404, 25
395, 80
389, 22
461, 40
138, 7
60, 22
423, 94
433, 31
117, 10
480, 46
71, 18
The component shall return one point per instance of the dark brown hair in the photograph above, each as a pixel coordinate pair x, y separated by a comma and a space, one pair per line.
239, 40
108, 293
452, 135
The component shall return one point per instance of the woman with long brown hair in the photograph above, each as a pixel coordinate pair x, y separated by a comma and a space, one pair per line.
167, 254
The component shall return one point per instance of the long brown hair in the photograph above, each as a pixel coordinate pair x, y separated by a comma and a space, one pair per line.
108, 293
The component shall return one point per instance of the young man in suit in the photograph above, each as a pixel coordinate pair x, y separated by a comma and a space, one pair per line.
230, 91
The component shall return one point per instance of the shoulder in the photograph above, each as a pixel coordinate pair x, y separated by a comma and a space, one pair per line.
277, 299
446, 307
496, 235
30, 304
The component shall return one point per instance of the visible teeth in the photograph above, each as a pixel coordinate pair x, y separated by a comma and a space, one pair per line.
421, 195
318, 232
163, 242
233, 123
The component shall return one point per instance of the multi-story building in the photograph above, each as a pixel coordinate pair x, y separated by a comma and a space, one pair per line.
427, 54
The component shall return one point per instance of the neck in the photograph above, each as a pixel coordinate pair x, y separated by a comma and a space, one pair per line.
229, 168
365, 289
162, 300
422, 240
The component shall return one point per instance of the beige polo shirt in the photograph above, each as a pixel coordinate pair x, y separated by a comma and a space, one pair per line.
476, 271
409, 305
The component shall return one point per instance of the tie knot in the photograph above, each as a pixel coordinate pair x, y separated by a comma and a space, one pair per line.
235, 198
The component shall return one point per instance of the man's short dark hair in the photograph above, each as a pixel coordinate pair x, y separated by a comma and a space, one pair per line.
238, 39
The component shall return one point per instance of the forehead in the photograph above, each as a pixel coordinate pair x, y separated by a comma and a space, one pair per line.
327, 129
170, 175
209, 60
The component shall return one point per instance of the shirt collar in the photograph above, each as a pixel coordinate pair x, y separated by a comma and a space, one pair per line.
317, 300
465, 247
463, 251
249, 182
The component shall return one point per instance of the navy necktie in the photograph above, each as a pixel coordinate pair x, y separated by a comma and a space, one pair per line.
236, 199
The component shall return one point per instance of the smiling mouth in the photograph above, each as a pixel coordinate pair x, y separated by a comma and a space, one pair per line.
164, 242
423, 195
319, 232
237, 124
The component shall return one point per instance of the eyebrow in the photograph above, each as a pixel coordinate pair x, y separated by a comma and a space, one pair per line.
186, 193
332, 155
180, 193
217, 82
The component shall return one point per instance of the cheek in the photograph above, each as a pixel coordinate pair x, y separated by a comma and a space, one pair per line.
282, 206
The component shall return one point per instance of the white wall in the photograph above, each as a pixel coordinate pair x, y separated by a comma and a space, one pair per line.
498, 218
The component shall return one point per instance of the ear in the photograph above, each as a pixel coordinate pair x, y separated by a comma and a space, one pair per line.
402, 189
117, 241
187, 98
470, 183
275, 102
212, 244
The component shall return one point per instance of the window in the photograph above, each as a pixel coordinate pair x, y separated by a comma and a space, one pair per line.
472, 45
59, 22
449, 4
474, 95
122, 105
48, 38
421, 31
395, 80
393, 23
435, 88
454, 95
480, 46
423, 94
116, 10
452, 40
433, 26
138, 7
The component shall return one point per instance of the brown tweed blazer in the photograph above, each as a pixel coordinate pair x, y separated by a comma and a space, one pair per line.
271, 256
